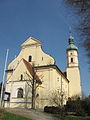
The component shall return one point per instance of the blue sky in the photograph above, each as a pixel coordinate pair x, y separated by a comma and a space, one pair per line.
46, 20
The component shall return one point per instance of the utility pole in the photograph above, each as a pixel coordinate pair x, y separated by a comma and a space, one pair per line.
3, 78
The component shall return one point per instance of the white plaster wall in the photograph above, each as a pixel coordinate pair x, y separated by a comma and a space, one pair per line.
13, 89
73, 74
61, 82
39, 58
72, 54
51, 81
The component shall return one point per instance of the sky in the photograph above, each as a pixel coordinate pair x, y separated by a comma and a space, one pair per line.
45, 20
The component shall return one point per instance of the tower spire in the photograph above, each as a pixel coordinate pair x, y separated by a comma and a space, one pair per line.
71, 45
71, 38
73, 71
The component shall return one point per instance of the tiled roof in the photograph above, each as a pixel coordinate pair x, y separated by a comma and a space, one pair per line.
31, 71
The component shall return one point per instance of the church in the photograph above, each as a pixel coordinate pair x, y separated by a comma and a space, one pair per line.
33, 75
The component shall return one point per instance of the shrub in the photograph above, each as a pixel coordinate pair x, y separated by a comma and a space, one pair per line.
80, 107
54, 110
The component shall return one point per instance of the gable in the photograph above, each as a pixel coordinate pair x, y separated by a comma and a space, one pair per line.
32, 71
30, 41
21, 70
24, 71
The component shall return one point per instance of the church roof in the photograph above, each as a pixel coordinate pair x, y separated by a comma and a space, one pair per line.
71, 44
31, 71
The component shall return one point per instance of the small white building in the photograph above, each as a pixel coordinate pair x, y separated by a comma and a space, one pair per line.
32, 60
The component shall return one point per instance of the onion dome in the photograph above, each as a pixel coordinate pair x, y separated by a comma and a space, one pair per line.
71, 45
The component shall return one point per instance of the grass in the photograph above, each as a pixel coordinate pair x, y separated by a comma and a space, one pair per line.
76, 118
71, 117
10, 116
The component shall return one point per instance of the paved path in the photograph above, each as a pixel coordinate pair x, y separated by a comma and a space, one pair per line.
33, 114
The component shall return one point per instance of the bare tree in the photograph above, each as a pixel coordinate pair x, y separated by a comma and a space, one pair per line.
82, 9
27, 94
75, 97
58, 97
34, 82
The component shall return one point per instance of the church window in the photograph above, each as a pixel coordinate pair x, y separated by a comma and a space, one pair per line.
21, 77
30, 58
20, 93
71, 59
42, 58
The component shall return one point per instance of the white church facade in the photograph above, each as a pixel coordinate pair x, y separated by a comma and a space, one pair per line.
34, 67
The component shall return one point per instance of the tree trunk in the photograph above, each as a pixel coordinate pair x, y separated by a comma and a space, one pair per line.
33, 93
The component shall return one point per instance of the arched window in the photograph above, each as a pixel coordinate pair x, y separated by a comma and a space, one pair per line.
30, 59
20, 93
71, 59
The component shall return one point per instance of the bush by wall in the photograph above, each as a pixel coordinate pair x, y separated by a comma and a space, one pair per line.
54, 110
80, 107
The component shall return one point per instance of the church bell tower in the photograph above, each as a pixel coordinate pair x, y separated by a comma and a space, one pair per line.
73, 70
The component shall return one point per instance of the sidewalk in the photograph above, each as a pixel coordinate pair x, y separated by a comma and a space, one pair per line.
33, 114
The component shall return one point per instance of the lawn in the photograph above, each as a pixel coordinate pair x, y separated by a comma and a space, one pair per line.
9, 116
76, 118
71, 117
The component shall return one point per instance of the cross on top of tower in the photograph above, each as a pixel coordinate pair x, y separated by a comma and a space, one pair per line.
71, 38
70, 31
